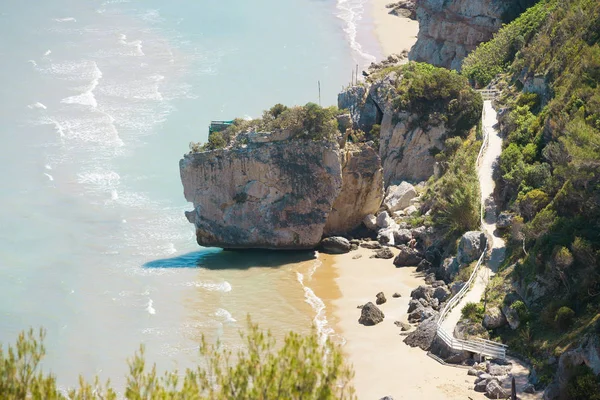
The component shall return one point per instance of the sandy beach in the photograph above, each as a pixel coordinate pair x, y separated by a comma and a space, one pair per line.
394, 33
383, 364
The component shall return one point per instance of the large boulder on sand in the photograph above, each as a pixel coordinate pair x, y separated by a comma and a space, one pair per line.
470, 247
336, 245
398, 197
370, 315
384, 253
424, 334
408, 256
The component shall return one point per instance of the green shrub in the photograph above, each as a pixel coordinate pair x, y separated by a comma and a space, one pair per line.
299, 368
564, 317
583, 384
521, 310
472, 311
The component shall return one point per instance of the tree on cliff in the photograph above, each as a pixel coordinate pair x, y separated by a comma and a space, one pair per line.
300, 368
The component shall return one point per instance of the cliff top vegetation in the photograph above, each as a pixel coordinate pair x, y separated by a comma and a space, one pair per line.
308, 122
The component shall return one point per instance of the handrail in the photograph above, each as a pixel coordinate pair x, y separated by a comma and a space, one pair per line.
480, 346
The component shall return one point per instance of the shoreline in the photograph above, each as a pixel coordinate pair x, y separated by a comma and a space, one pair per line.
383, 364
394, 33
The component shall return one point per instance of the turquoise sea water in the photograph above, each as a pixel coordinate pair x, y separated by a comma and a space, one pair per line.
98, 101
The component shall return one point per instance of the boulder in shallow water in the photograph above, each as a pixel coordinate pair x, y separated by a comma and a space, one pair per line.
336, 245
370, 315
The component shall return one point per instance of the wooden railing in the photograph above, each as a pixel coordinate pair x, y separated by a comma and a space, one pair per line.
480, 346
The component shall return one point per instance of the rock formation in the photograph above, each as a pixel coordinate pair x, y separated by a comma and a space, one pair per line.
283, 194
362, 189
404, 145
449, 30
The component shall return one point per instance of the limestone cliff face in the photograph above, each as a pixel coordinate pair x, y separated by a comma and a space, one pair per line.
405, 144
270, 195
449, 30
362, 189
279, 194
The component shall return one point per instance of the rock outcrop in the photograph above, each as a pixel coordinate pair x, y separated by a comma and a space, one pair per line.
362, 189
449, 30
283, 194
274, 195
335, 245
404, 146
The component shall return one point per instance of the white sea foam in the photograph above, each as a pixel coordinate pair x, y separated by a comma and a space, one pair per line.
99, 178
50, 177
37, 105
351, 12
87, 98
68, 19
226, 315
48, 167
136, 45
114, 195
32, 62
47, 53
320, 319
149, 307
210, 286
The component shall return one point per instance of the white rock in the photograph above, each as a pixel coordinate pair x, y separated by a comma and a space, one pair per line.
384, 220
410, 210
370, 222
398, 197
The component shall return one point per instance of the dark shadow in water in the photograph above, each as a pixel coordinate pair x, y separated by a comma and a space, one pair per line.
218, 259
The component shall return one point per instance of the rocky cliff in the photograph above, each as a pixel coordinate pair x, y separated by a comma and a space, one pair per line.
449, 30
280, 194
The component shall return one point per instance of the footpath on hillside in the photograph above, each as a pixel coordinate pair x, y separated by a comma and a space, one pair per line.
496, 245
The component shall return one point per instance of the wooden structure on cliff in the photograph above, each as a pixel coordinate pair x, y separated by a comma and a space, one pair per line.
218, 126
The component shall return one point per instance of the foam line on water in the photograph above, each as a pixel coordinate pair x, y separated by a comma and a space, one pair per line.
351, 12
320, 319
226, 315
87, 98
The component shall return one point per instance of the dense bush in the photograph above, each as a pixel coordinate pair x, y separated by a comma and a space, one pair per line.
426, 90
310, 122
472, 311
583, 384
495, 56
300, 368
564, 317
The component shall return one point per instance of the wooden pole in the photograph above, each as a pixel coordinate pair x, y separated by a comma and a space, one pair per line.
319, 92
357, 74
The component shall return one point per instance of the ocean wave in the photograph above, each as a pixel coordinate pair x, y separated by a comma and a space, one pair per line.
136, 45
226, 315
37, 105
100, 178
151, 16
50, 177
68, 19
210, 286
351, 12
87, 98
149, 307
320, 320
48, 52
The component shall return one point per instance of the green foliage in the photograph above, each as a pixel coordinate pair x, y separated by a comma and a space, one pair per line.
494, 57
437, 92
300, 368
473, 312
583, 384
521, 310
455, 196
532, 202
308, 122
564, 317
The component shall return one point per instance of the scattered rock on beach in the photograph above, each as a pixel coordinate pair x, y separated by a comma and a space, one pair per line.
423, 336
371, 244
396, 295
356, 256
407, 256
370, 315
380, 298
336, 245
384, 253
403, 326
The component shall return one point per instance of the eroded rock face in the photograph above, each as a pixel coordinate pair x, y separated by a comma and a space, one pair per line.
275, 195
362, 189
449, 30
405, 144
